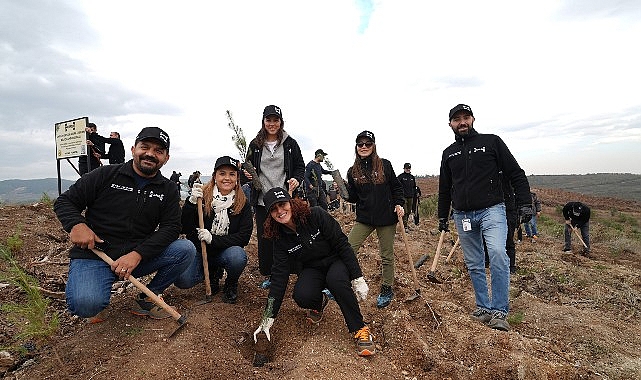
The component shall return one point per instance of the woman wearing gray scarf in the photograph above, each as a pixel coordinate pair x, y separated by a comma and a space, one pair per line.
228, 223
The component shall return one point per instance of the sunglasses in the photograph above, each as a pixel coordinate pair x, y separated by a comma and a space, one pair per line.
365, 144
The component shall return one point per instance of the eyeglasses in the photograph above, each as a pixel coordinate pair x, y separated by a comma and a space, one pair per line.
365, 144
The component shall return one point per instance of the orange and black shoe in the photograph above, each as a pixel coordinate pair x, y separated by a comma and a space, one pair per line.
146, 308
365, 342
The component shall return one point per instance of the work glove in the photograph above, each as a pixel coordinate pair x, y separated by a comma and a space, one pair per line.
204, 235
265, 325
360, 288
525, 213
443, 225
196, 192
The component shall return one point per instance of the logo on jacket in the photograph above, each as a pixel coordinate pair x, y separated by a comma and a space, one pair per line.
482, 149
454, 154
159, 196
121, 187
294, 248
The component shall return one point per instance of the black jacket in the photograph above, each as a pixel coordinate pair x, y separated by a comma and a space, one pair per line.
294, 164
240, 228
577, 212
375, 202
116, 154
316, 244
144, 220
471, 174
408, 181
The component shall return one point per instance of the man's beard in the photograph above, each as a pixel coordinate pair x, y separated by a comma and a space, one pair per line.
147, 170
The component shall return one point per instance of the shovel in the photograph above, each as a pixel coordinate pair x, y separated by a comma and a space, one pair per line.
203, 250
431, 275
180, 319
417, 288
458, 240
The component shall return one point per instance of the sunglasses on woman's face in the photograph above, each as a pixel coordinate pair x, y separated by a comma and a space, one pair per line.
365, 144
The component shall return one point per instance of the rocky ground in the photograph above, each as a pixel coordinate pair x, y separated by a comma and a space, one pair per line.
572, 317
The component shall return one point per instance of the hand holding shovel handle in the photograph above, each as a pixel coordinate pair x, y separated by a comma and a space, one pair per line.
180, 319
203, 250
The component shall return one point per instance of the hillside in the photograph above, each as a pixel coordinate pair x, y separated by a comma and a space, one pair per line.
615, 185
22, 191
572, 317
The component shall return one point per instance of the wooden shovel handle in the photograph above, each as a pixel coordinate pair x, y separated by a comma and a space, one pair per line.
438, 252
157, 300
409, 254
576, 231
458, 240
203, 248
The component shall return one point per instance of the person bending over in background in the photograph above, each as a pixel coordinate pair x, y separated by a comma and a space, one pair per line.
577, 215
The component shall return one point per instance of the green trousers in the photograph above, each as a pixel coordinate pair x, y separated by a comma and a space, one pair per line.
386, 234
407, 207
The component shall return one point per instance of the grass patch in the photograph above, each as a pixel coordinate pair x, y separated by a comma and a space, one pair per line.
133, 331
46, 199
429, 207
516, 318
34, 325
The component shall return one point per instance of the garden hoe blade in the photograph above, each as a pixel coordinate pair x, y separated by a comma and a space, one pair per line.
431, 275
180, 319
203, 250
417, 287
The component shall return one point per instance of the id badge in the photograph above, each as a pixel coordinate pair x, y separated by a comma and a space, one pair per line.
467, 225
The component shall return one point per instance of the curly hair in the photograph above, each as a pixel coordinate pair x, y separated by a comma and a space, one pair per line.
300, 214
262, 134
377, 174
208, 196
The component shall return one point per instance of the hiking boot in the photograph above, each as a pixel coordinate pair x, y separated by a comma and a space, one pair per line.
566, 249
266, 284
315, 316
230, 293
385, 297
481, 315
513, 269
585, 252
100, 317
499, 321
534, 237
145, 307
365, 342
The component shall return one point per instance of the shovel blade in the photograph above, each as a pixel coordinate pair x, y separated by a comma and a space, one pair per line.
431, 277
208, 299
182, 321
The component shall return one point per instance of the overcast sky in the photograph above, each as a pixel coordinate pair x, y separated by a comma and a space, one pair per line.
557, 80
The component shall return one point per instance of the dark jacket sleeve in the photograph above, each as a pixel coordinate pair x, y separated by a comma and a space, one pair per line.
398, 197
168, 227
515, 175
352, 193
297, 163
444, 189
238, 238
279, 277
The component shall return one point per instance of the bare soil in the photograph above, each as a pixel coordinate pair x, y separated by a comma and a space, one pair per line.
572, 317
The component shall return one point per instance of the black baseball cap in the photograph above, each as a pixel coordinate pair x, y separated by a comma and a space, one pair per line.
272, 110
460, 107
154, 133
319, 151
368, 134
407, 166
226, 160
275, 195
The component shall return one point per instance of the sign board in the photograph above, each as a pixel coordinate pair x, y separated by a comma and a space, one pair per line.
71, 138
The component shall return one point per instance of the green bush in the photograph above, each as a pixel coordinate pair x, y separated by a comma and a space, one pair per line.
429, 207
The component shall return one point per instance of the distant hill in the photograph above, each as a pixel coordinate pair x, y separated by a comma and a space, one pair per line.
615, 185
19, 191
624, 186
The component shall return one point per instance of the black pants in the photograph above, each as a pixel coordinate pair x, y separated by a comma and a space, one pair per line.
310, 284
265, 246
320, 200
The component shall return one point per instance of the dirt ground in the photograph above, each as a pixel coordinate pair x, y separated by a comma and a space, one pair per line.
572, 317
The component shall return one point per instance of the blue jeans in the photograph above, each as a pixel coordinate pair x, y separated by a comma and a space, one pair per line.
232, 259
89, 285
530, 227
489, 224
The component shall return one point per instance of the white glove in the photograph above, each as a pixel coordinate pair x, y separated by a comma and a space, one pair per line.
360, 288
196, 192
204, 235
265, 325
